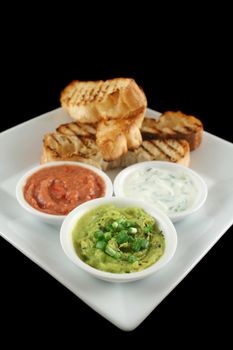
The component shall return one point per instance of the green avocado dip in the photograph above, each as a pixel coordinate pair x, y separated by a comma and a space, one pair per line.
118, 240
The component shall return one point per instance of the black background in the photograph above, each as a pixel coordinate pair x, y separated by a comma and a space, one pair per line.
193, 76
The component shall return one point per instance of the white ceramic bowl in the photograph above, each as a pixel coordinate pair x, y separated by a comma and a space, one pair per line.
201, 187
50, 218
164, 223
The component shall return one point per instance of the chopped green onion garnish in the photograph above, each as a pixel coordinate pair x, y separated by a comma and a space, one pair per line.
112, 252
101, 245
132, 259
108, 227
99, 235
139, 244
122, 237
131, 239
136, 245
132, 230
128, 224
107, 236
120, 227
115, 224
148, 229
144, 243
121, 221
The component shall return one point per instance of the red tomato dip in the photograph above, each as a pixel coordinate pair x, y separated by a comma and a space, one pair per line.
59, 189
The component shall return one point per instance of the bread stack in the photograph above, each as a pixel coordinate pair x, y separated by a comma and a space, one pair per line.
116, 106
110, 129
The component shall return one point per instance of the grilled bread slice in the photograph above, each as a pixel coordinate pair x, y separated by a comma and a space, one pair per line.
78, 129
57, 146
174, 125
92, 101
170, 150
115, 136
61, 145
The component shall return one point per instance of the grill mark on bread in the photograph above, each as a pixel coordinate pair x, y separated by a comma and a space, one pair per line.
70, 97
69, 141
155, 143
91, 93
75, 132
74, 95
86, 142
81, 140
180, 129
147, 151
81, 97
155, 129
198, 125
53, 150
78, 95
174, 148
75, 129
68, 126
96, 92
69, 93
61, 145
90, 129
56, 141
66, 130
103, 91
188, 128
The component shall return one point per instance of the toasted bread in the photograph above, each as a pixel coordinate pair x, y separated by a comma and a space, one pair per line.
62, 145
174, 125
170, 150
115, 136
92, 101
57, 146
78, 129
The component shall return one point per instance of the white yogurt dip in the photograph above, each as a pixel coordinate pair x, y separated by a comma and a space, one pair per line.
170, 191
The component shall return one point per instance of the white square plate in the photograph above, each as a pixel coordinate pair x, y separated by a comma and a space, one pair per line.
125, 305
